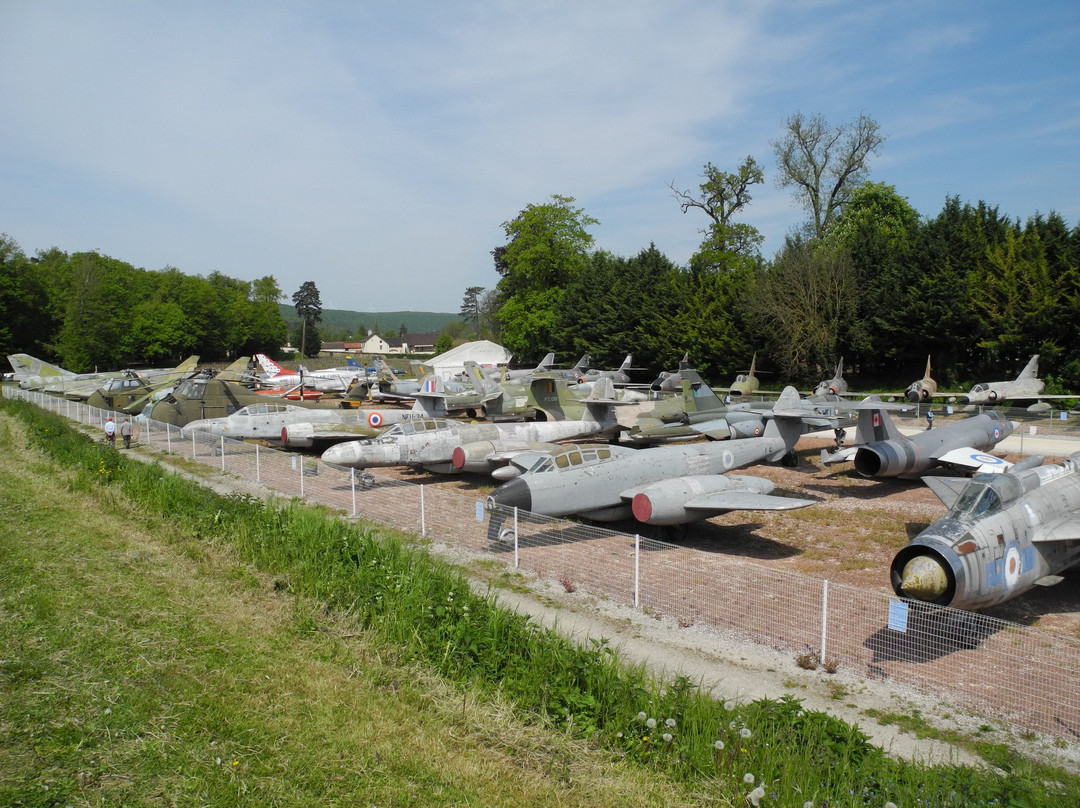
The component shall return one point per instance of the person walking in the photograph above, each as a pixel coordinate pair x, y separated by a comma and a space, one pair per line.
110, 431
929, 418
125, 433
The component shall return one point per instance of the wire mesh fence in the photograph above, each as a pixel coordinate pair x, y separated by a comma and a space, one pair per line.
974, 662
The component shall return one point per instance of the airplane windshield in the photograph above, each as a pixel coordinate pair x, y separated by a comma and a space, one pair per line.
980, 388
986, 493
571, 458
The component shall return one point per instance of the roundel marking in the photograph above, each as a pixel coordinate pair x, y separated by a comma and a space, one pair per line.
757, 431
987, 460
728, 458
1012, 566
374, 420
997, 433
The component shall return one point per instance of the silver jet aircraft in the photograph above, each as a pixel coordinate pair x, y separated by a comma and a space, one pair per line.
525, 374
836, 386
881, 450
665, 486
619, 376
446, 447
1004, 534
1024, 386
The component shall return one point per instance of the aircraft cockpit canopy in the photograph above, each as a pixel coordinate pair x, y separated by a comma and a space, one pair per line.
740, 378
415, 427
986, 493
980, 388
571, 458
263, 409
191, 388
120, 385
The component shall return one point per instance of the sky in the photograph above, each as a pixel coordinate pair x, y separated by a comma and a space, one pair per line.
377, 148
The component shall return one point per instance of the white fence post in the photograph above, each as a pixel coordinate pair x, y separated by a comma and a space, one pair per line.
352, 483
516, 564
258, 471
423, 522
824, 617
222, 453
637, 570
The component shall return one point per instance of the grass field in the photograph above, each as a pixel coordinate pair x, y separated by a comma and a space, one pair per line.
163, 645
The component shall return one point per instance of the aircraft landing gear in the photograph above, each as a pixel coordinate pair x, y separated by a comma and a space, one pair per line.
790, 460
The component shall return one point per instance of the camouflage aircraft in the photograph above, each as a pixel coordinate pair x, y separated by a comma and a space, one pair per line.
36, 374
1004, 534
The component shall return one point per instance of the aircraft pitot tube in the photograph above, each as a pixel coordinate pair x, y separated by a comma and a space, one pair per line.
1004, 534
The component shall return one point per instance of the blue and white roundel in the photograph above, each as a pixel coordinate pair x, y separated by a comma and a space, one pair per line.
997, 433
374, 420
986, 459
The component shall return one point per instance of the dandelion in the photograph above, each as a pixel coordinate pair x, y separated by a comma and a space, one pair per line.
731, 725
744, 733
670, 722
651, 723
729, 705
748, 778
718, 746
890, 805
808, 804
756, 795
641, 716
667, 737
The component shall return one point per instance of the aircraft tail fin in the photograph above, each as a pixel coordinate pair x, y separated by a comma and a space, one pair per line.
480, 380
697, 395
875, 424
627, 363
546, 362
350, 361
926, 375
554, 399
420, 369
269, 366
431, 397
383, 370
1031, 369
190, 363
684, 363
600, 405
581, 366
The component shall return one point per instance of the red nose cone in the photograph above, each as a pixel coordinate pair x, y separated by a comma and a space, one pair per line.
642, 507
458, 458
284, 436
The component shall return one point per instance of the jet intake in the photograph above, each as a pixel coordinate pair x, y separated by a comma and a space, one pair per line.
473, 457
921, 572
297, 435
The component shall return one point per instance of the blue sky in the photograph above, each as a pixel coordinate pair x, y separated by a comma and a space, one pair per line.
377, 147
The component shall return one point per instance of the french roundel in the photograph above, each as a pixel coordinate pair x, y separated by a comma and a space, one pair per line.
374, 420
757, 431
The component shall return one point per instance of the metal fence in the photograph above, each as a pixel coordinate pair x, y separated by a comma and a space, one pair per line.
975, 663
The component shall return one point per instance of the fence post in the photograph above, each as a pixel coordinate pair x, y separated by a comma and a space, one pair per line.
516, 564
637, 570
258, 471
423, 523
352, 483
193, 444
222, 453
168, 437
824, 617
300, 464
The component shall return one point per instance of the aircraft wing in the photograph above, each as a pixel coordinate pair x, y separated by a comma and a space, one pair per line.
1067, 529
717, 428
947, 489
839, 456
972, 460
745, 501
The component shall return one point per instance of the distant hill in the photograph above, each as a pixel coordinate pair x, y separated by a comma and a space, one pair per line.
415, 322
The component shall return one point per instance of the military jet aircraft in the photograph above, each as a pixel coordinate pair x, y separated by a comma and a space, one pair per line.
619, 376
745, 384
446, 447
881, 450
664, 486
526, 374
924, 389
836, 386
670, 381
1004, 534
303, 427
1024, 386
131, 393
36, 374
327, 380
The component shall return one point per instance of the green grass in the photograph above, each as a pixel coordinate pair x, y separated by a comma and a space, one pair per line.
275, 654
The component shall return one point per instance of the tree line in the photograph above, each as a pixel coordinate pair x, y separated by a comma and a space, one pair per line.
866, 278
87, 311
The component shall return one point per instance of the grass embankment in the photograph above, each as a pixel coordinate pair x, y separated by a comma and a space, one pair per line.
163, 644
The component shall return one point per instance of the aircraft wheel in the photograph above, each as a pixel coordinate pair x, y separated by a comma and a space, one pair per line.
507, 535
366, 480
676, 533
790, 460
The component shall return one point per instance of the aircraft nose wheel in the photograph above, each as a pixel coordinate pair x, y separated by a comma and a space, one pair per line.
366, 480
790, 460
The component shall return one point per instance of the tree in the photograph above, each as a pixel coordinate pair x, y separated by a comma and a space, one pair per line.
547, 248
723, 195
470, 307
308, 309
825, 164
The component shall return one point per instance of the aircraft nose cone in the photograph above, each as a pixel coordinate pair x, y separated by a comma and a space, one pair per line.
965, 399
913, 396
342, 454
513, 494
923, 578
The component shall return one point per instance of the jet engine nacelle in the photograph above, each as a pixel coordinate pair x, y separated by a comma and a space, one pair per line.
473, 457
745, 425
664, 502
297, 436
888, 458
